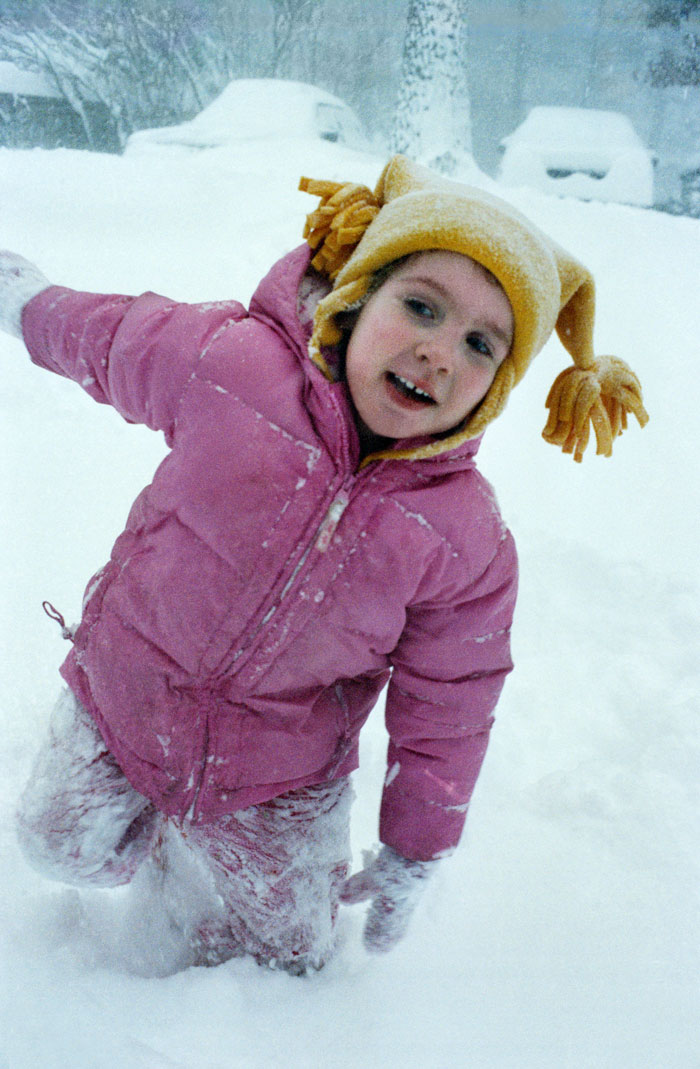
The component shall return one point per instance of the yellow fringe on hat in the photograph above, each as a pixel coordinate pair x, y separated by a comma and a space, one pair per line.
600, 396
336, 226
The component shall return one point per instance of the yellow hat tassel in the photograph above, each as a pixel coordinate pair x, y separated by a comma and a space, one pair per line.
600, 395
334, 229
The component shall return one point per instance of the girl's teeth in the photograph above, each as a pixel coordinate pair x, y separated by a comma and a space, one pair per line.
412, 386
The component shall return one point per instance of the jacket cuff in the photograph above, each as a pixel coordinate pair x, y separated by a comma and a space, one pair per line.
419, 830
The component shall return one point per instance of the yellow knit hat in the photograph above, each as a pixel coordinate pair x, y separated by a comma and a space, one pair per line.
354, 232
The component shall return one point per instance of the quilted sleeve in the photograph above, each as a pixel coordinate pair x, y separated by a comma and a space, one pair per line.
448, 672
134, 353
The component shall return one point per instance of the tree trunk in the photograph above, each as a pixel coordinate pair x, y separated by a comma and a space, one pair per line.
432, 119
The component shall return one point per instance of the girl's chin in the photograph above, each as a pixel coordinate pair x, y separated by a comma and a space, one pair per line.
403, 423
385, 428
389, 432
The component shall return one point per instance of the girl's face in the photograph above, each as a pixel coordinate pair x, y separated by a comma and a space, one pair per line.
426, 346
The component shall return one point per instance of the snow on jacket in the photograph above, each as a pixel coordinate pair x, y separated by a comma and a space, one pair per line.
266, 586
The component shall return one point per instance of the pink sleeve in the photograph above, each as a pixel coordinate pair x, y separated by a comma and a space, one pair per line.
449, 670
134, 353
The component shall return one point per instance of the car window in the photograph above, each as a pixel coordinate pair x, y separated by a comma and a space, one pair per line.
337, 124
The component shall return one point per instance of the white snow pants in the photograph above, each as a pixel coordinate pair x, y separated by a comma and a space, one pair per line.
272, 872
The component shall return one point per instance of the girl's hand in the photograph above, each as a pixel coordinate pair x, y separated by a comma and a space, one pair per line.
20, 280
395, 885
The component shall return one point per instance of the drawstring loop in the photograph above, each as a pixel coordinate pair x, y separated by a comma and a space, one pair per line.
54, 614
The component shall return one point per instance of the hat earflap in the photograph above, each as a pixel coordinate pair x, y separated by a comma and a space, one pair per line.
597, 392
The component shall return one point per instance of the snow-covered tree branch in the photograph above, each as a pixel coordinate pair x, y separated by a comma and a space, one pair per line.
150, 63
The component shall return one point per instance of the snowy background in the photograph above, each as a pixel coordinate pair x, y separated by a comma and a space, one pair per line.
565, 932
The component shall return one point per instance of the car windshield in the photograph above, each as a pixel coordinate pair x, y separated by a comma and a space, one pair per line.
337, 124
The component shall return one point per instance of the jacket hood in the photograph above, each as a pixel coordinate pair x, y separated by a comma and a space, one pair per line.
276, 299
286, 299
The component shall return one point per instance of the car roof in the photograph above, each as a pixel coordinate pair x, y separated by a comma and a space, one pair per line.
565, 128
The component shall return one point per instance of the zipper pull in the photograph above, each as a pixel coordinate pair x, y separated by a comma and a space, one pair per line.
331, 521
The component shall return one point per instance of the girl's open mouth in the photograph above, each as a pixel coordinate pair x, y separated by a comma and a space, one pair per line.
408, 391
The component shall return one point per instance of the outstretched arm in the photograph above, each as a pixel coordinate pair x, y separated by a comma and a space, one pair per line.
134, 353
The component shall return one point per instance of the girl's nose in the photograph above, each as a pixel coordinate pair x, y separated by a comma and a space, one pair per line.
438, 353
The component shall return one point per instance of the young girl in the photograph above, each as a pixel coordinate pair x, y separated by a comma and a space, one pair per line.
318, 530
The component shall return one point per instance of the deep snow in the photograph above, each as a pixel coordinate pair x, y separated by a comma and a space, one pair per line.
565, 931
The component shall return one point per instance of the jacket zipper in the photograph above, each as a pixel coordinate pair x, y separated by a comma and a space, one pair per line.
331, 521
320, 541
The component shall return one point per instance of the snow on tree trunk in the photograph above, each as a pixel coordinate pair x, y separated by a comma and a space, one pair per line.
432, 120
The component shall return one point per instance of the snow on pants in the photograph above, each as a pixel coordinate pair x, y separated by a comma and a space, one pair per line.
273, 872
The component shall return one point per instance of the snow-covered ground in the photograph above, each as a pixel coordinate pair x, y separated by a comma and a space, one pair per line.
565, 932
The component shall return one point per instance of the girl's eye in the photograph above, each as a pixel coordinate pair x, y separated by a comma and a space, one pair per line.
419, 308
478, 344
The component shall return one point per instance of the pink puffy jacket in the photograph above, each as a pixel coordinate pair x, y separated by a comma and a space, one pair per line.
265, 589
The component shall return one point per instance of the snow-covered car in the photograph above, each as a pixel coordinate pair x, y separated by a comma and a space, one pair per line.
254, 109
579, 152
690, 188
